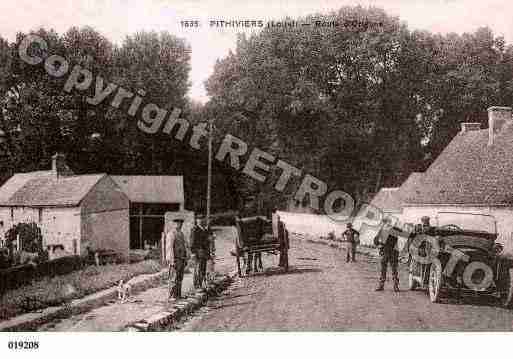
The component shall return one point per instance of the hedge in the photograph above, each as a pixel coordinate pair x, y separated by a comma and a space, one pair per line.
18, 276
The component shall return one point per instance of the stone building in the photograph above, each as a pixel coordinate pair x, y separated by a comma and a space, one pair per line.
73, 211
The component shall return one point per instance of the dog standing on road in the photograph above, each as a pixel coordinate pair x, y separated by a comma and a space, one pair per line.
124, 291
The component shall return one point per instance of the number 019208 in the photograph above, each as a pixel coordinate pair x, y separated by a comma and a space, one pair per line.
23, 345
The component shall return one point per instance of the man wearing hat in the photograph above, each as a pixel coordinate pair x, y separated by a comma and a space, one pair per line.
200, 247
426, 226
179, 256
387, 243
351, 236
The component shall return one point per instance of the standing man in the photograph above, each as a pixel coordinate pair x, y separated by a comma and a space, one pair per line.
3, 240
210, 276
179, 257
200, 247
387, 244
283, 237
351, 236
426, 226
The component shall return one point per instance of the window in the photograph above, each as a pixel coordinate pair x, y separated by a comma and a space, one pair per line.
12, 214
40, 215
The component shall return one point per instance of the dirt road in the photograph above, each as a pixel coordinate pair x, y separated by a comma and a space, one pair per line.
323, 292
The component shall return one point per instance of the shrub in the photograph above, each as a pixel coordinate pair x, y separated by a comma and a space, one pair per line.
60, 289
18, 276
30, 237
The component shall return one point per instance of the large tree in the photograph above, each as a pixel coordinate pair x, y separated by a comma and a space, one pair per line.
337, 102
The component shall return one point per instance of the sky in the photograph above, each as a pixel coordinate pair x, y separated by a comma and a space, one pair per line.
118, 18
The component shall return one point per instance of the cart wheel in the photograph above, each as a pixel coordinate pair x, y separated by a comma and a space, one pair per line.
412, 283
435, 282
506, 288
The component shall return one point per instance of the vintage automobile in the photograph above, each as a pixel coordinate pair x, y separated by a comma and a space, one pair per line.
460, 256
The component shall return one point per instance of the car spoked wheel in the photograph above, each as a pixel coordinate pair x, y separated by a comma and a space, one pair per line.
412, 283
435, 283
506, 289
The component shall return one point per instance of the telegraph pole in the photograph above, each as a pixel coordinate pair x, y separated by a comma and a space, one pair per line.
209, 175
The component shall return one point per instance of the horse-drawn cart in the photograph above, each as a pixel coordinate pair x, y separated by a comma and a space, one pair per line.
257, 235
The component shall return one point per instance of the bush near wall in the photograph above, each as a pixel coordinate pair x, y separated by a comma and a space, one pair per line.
30, 235
64, 288
18, 276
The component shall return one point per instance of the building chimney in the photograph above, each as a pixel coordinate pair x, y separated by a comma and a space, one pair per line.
59, 166
470, 126
498, 118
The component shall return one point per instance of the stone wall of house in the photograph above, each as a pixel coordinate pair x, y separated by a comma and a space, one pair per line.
107, 230
58, 225
105, 219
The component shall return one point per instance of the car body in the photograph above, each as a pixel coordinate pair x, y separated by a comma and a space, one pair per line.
460, 255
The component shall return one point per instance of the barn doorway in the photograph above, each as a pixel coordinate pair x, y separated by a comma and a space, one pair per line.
147, 223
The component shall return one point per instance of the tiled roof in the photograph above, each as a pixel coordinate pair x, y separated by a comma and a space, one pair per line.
469, 172
409, 187
152, 189
387, 199
44, 188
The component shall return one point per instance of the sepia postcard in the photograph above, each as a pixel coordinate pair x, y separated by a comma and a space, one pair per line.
261, 166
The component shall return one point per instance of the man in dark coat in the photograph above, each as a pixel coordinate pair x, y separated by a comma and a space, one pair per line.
351, 236
387, 244
179, 257
200, 247
283, 237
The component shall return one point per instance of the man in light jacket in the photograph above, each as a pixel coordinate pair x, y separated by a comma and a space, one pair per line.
178, 257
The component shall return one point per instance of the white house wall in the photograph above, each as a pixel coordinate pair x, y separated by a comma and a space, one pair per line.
58, 225
62, 226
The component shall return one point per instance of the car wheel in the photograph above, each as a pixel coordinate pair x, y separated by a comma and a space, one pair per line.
435, 283
412, 283
506, 289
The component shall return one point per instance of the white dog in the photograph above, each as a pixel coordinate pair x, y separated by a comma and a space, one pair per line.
124, 291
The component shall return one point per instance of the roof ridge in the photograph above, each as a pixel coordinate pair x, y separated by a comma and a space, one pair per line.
467, 171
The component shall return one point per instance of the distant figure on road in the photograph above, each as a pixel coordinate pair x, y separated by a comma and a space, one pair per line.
352, 237
179, 257
387, 244
200, 247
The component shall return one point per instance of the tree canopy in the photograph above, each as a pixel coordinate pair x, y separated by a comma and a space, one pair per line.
360, 105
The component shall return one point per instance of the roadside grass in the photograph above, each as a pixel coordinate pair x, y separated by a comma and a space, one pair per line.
62, 289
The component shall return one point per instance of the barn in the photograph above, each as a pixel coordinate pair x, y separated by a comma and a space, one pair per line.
473, 174
150, 198
75, 211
